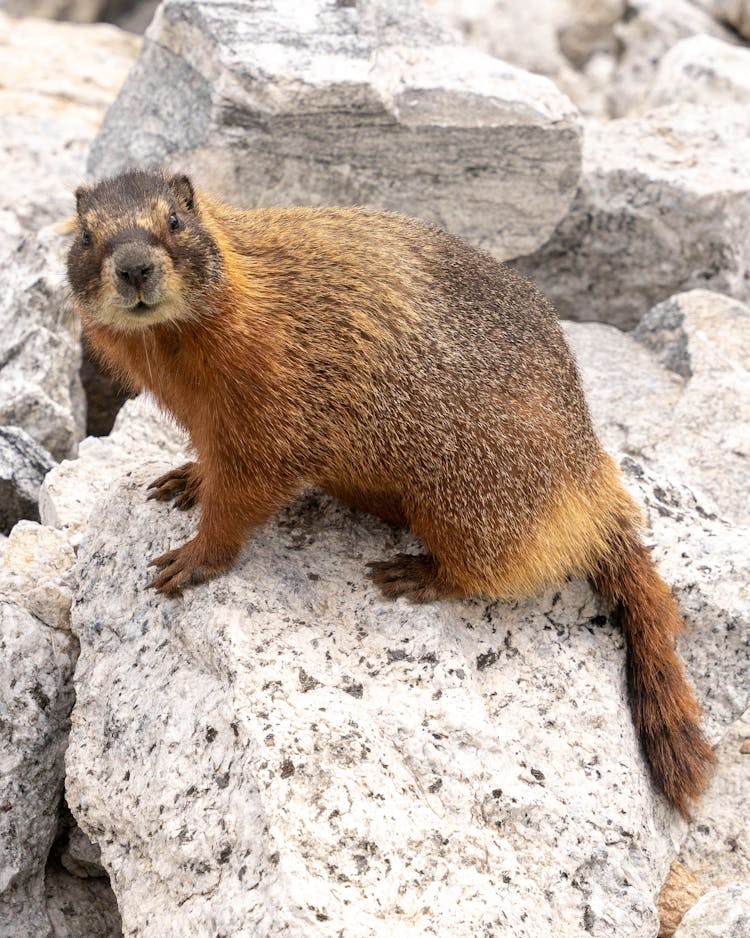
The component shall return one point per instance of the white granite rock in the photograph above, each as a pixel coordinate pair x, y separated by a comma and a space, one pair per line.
717, 846
36, 667
702, 71
37, 569
281, 751
663, 206
675, 393
324, 102
721, 913
644, 36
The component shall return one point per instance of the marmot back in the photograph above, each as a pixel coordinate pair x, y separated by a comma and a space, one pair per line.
400, 370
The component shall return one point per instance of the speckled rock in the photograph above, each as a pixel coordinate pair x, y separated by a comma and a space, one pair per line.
705, 338
717, 846
292, 754
372, 103
23, 465
702, 71
644, 36
37, 569
721, 913
36, 667
662, 207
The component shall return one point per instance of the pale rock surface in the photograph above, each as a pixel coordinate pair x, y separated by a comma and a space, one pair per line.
37, 568
36, 668
57, 80
702, 71
717, 846
644, 36
705, 337
663, 206
141, 433
282, 752
23, 465
323, 103
721, 913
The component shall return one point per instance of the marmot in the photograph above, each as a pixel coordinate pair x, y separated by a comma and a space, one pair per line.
400, 370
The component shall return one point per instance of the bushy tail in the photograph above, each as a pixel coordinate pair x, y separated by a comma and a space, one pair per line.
665, 712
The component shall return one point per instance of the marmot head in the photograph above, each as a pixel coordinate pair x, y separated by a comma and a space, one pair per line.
141, 255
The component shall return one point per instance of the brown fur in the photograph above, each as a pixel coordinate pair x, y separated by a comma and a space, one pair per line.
398, 369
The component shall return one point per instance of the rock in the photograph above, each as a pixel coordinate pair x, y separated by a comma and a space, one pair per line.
373, 104
705, 338
80, 857
141, 434
57, 80
40, 390
680, 891
36, 669
702, 71
717, 846
80, 908
660, 208
23, 465
721, 913
493, 26
37, 569
735, 13
644, 36
290, 752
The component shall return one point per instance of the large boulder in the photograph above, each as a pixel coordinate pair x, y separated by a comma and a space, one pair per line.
370, 103
289, 752
37, 657
644, 35
57, 80
662, 206
676, 395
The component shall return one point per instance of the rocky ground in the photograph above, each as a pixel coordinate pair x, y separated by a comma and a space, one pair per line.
282, 752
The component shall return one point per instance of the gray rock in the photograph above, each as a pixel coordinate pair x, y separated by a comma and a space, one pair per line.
702, 71
288, 751
717, 846
56, 82
721, 913
705, 338
80, 908
374, 103
662, 206
36, 669
23, 466
644, 36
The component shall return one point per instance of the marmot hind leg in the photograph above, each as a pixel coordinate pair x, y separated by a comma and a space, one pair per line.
415, 576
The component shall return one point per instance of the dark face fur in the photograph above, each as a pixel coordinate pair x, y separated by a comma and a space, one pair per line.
140, 254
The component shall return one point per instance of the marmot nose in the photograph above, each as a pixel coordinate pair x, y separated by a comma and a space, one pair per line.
134, 266
135, 275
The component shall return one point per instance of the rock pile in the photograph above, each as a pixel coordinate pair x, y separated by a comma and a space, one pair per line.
281, 751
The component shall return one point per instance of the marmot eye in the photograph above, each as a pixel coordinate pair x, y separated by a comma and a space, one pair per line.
174, 222
85, 237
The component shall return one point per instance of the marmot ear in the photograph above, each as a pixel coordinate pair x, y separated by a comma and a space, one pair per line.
183, 191
82, 194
